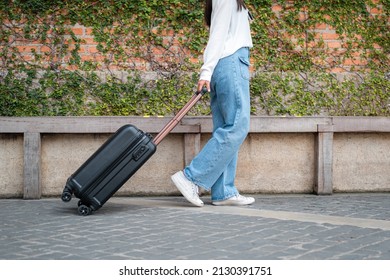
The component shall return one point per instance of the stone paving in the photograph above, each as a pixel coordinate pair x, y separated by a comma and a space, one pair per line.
276, 227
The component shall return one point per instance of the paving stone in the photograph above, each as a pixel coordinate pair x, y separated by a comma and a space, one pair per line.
146, 228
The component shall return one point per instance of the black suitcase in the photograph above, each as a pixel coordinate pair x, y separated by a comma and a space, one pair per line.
105, 172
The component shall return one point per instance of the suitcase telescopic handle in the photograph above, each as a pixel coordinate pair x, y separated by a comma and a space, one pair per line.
178, 117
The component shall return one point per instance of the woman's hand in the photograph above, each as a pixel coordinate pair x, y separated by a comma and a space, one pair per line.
203, 84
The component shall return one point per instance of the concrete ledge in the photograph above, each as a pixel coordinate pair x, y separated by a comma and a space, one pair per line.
86, 124
281, 154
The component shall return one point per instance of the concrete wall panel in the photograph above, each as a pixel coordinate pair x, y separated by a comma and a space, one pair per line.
361, 162
11, 165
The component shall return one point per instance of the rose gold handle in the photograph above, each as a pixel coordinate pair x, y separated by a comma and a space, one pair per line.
177, 118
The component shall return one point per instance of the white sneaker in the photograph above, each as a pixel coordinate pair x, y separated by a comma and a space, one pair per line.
237, 200
187, 188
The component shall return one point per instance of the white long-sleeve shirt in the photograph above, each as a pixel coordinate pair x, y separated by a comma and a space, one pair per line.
229, 31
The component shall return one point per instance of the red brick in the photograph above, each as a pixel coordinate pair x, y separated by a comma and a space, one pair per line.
276, 8
328, 36
89, 41
78, 30
333, 44
27, 48
88, 31
44, 49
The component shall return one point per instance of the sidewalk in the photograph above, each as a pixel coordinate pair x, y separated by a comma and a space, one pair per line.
276, 227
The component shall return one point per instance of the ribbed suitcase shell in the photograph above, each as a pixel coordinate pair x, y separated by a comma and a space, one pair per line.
109, 168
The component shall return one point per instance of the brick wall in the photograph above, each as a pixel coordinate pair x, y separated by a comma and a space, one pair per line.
333, 44
89, 52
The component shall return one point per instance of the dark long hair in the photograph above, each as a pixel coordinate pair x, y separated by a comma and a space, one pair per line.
209, 7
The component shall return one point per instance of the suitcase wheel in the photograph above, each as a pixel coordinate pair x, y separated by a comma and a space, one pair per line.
84, 210
66, 196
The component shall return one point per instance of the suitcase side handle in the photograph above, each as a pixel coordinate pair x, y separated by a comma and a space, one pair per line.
178, 117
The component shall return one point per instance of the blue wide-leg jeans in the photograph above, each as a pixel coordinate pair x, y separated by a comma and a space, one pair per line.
214, 168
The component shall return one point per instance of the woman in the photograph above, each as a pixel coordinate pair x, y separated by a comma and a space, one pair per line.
225, 74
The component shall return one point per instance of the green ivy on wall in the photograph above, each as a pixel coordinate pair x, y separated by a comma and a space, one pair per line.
294, 67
